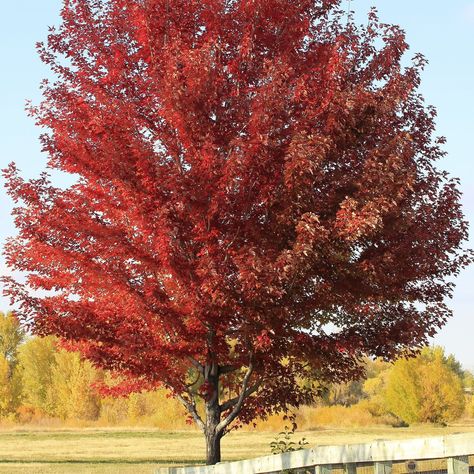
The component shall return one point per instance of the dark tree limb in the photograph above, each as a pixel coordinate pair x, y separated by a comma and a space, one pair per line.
240, 400
190, 406
227, 369
232, 401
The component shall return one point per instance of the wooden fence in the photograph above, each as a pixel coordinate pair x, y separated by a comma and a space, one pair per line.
450, 454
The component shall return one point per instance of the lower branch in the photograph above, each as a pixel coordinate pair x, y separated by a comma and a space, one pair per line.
239, 401
191, 408
228, 404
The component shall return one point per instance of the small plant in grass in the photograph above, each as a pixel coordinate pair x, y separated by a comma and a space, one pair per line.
283, 442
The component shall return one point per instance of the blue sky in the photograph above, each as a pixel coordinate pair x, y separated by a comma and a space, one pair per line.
443, 31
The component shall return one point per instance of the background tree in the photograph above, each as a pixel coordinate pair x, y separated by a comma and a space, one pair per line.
9, 389
11, 337
468, 381
36, 360
374, 386
348, 393
73, 396
250, 175
425, 389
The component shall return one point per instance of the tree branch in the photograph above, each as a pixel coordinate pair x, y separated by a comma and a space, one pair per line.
238, 405
197, 365
189, 385
226, 369
191, 408
232, 401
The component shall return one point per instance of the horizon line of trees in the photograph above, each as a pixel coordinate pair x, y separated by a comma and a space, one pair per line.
41, 381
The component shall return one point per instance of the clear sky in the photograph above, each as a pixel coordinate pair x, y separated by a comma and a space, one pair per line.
442, 30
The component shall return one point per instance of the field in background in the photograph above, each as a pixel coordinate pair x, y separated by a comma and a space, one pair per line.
127, 451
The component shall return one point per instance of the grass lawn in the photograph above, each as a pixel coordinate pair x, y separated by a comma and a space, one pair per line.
139, 451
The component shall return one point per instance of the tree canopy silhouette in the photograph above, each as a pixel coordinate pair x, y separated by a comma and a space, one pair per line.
257, 200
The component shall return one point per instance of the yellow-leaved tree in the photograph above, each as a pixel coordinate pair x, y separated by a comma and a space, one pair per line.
8, 389
11, 336
427, 388
374, 388
72, 394
36, 358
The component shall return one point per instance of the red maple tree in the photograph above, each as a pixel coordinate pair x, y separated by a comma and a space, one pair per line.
256, 204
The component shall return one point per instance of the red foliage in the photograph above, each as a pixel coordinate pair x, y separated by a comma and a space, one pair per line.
251, 174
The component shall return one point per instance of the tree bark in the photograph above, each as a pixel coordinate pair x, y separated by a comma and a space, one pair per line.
213, 447
213, 417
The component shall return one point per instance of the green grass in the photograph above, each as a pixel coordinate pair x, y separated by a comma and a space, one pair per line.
127, 451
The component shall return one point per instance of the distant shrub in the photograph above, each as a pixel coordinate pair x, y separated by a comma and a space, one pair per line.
29, 414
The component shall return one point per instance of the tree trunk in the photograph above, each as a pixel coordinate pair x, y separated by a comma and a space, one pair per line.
213, 448
213, 417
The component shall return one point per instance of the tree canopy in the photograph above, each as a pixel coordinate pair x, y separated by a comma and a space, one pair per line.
257, 200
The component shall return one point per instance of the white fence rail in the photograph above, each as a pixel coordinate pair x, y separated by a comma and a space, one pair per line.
455, 449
